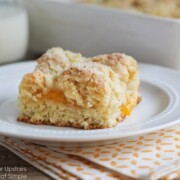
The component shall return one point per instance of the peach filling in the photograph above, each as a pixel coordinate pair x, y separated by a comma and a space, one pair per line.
55, 95
127, 109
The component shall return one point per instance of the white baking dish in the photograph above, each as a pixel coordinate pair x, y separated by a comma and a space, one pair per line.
95, 30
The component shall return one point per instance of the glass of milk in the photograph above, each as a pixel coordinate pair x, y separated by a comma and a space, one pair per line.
13, 31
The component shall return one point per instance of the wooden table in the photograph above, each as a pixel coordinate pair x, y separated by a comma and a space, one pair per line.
8, 159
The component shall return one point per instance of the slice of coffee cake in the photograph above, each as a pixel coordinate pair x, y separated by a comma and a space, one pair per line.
69, 90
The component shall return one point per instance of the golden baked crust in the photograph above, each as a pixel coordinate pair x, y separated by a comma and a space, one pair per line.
67, 89
164, 8
70, 124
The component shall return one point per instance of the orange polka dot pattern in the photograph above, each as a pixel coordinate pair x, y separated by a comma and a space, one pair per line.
64, 166
152, 156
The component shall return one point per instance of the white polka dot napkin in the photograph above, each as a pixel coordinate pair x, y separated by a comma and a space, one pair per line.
152, 156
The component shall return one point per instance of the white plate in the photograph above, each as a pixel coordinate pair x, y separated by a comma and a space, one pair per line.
159, 109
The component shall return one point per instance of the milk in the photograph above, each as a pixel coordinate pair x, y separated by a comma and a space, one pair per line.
13, 33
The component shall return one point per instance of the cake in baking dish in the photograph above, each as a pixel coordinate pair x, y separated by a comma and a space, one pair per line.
163, 8
69, 90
